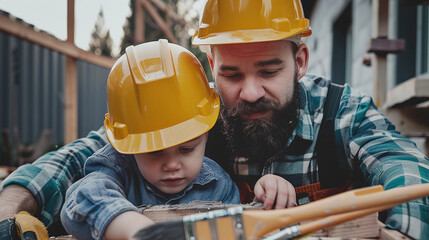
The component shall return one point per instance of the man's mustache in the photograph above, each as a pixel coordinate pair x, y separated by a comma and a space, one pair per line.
262, 105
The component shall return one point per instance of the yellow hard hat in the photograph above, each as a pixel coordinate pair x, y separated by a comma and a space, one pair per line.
244, 21
158, 96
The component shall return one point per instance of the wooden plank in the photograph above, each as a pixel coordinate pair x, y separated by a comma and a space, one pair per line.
163, 6
408, 93
70, 106
139, 23
160, 213
390, 234
367, 227
25, 32
70, 21
380, 19
411, 122
364, 227
158, 19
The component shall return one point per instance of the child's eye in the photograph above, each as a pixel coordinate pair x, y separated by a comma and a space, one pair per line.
186, 149
155, 153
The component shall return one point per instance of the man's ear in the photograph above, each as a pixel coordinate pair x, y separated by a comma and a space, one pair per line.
210, 61
301, 58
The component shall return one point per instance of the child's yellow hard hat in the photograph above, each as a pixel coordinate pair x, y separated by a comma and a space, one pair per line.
157, 96
243, 21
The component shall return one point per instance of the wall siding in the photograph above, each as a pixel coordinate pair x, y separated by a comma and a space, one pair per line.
32, 91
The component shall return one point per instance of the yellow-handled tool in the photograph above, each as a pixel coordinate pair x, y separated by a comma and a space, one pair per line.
257, 223
234, 223
326, 222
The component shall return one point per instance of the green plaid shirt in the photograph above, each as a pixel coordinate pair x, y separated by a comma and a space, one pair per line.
364, 137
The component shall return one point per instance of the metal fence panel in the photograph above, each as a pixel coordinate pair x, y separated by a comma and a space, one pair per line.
32, 92
92, 97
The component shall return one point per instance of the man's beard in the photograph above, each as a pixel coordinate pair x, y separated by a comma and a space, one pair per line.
260, 139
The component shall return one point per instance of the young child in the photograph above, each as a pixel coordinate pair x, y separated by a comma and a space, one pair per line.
160, 109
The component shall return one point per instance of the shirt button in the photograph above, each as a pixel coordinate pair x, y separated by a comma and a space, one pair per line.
96, 232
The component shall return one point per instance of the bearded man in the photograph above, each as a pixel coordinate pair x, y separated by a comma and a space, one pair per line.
269, 134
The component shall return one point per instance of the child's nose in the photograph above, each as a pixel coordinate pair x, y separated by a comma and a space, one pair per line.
171, 164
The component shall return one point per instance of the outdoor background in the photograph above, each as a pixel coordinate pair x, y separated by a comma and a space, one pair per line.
379, 47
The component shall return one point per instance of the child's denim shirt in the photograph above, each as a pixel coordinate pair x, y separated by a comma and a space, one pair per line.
113, 184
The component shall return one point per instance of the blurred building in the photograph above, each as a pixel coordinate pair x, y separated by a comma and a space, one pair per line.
51, 92
380, 47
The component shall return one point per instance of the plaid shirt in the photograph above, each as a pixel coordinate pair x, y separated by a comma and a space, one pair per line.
364, 137
49, 177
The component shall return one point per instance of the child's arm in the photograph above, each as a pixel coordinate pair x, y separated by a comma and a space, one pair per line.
95, 200
271, 189
126, 224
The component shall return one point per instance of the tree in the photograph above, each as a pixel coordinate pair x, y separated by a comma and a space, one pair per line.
153, 32
128, 38
101, 41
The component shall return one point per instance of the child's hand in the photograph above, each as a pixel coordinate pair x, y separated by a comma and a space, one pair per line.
271, 189
126, 224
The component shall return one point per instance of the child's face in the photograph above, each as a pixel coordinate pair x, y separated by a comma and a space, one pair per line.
172, 169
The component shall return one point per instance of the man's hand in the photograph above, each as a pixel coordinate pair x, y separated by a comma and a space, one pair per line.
271, 189
14, 199
23, 226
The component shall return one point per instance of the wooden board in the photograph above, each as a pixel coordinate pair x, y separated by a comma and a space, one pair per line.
367, 227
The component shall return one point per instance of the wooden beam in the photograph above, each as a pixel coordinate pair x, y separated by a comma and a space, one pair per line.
25, 32
390, 234
154, 14
70, 88
408, 120
70, 106
70, 21
409, 93
164, 7
172, 16
380, 19
139, 23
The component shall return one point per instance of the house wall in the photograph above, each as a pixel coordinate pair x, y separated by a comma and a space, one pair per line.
325, 13
32, 91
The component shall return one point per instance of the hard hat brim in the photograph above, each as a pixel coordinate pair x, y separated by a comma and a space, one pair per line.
246, 36
164, 138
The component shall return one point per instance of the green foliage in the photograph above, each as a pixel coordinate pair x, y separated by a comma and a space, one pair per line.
153, 33
202, 57
101, 41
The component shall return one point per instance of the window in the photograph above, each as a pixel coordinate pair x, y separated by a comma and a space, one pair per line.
342, 47
413, 26
422, 40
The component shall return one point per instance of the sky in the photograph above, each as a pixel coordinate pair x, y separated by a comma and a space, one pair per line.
51, 16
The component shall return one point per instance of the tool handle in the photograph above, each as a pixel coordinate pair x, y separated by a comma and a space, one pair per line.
262, 222
333, 220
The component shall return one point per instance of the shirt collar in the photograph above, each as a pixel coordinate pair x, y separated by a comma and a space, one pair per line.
304, 128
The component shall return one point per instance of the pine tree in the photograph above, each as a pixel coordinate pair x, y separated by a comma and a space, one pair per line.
153, 33
128, 38
101, 41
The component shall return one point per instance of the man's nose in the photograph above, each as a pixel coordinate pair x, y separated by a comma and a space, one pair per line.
251, 90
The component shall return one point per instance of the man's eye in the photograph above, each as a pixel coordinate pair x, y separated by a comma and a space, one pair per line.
186, 149
236, 76
269, 72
